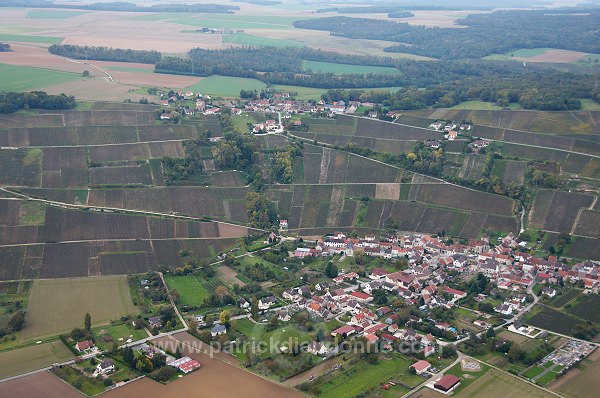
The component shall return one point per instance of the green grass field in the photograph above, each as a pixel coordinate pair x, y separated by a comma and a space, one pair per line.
235, 21
589, 105
495, 384
365, 377
481, 106
223, 86
340, 69
119, 333
58, 305
522, 53
25, 78
53, 14
191, 289
245, 39
4, 37
129, 69
26, 359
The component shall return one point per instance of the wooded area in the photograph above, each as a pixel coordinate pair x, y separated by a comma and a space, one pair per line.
485, 34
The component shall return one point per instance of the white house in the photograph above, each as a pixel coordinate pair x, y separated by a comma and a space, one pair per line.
317, 348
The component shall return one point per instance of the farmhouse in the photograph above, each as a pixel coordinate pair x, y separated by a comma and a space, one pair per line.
105, 367
266, 302
317, 348
344, 331
185, 364
85, 345
421, 366
447, 383
218, 330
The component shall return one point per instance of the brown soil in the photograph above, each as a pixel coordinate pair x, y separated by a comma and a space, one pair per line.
43, 384
228, 275
219, 377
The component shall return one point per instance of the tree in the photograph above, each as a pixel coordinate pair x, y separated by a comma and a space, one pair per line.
88, 322
331, 270
514, 354
86, 73
448, 351
254, 308
16, 322
224, 317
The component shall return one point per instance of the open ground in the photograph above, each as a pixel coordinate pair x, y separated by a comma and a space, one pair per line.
219, 377
43, 384
57, 306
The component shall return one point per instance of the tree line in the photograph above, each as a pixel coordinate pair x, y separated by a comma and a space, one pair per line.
484, 34
105, 53
125, 6
11, 102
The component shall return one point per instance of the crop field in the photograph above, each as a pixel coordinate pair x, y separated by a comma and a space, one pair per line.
587, 224
31, 358
376, 144
510, 171
225, 86
578, 382
587, 308
340, 69
324, 165
568, 122
227, 179
377, 129
53, 14
20, 167
448, 195
4, 37
39, 120
124, 175
24, 78
412, 216
195, 201
555, 321
539, 55
57, 306
585, 248
244, 39
39, 384
64, 167
556, 211
472, 168
525, 152
495, 384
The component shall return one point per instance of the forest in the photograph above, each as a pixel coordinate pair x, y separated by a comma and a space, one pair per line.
4, 47
424, 84
484, 34
11, 102
105, 54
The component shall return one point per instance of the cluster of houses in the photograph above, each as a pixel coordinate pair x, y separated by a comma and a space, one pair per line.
425, 282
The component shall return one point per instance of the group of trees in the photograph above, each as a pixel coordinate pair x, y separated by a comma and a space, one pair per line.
283, 163
484, 34
261, 210
11, 102
105, 53
258, 272
4, 47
